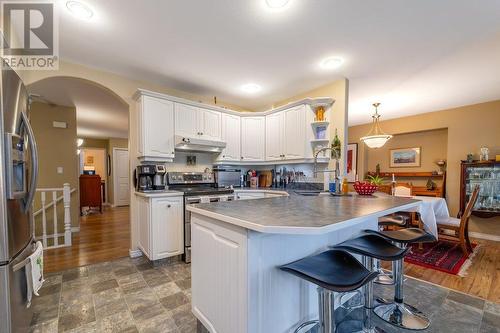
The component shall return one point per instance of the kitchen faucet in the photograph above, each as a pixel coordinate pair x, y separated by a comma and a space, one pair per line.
315, 168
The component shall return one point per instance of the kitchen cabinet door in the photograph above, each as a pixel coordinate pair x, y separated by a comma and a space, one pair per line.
253, 131
186, 120
156, 129
143, 218
295, 133
210, 124
231, 135
167, 227
274, 136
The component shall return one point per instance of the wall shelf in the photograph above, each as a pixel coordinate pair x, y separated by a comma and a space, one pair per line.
320, 123
409, 174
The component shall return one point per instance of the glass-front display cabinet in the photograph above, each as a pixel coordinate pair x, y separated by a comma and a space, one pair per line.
487, 176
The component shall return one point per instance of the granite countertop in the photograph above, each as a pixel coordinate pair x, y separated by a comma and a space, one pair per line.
302, 214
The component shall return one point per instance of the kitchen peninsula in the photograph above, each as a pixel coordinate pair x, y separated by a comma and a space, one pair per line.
237, 247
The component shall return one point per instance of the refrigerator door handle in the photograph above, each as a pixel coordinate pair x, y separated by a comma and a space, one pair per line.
34, 160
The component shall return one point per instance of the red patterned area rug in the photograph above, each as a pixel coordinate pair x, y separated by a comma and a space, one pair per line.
444, 256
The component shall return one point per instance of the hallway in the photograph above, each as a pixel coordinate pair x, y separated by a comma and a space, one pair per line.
102, 237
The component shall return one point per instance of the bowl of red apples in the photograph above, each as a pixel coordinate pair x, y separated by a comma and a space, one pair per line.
369, 186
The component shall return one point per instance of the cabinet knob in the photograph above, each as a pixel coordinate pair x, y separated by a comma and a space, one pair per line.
168, 206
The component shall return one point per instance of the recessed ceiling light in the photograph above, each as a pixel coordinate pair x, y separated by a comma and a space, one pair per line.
79, 10
276, 4
250, 88
332, 63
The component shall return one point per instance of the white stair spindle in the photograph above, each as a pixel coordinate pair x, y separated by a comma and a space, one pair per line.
67, 214
54, 205
44, 221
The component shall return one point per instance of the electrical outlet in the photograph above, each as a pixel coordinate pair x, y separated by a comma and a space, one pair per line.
60, 170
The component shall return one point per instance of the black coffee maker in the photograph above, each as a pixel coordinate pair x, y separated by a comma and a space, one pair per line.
144, 177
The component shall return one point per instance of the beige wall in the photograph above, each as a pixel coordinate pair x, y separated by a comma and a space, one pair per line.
433, 145
469, 128
56, 148
94, 143
114, 143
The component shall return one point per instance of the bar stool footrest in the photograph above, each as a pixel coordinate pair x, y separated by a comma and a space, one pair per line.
402, 315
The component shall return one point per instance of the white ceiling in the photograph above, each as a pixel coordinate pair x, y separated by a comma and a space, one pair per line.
413, 56
99, 113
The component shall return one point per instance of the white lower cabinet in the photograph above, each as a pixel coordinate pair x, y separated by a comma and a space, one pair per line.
161, 226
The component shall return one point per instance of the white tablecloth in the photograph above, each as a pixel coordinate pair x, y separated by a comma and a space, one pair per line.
429, 209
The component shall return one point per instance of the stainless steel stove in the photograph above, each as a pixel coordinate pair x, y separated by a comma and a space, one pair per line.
198, 187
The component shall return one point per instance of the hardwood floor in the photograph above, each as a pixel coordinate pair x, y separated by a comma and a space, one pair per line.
483, 276
102, 237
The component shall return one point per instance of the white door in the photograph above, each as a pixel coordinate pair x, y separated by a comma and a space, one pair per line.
158, 127
295, 133
231, 135
274, 136
186, 120
168, 227
210, 124
253, 132
121, 177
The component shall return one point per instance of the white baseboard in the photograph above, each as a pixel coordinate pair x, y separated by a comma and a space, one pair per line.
484, 236
135, 253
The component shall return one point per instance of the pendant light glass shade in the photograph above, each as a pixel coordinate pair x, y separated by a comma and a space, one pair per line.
376, 138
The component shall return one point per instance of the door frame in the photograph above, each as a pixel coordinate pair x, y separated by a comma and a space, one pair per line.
113, 174
106, 166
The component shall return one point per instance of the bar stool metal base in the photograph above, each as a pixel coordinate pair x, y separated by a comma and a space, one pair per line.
402, 315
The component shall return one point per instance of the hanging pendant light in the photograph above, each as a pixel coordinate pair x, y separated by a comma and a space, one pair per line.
376, 138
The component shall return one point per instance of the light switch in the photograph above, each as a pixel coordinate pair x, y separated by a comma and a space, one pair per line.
60, 170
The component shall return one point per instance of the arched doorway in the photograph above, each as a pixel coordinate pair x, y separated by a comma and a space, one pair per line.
65, 109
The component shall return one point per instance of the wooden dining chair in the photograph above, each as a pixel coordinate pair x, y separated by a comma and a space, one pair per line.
459, 226
403, 190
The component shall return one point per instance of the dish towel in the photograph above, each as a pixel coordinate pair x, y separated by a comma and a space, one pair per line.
34, 272
224, 198
205, 200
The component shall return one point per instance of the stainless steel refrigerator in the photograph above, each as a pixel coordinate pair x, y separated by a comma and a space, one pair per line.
18, 177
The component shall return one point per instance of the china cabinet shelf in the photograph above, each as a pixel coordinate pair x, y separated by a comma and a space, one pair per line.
486, 175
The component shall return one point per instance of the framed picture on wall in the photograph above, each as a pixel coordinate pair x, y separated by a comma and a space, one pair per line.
404, 157
352, 162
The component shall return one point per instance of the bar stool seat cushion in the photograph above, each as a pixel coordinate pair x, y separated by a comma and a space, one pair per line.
374, 246
406, 236
393, 220
334, 270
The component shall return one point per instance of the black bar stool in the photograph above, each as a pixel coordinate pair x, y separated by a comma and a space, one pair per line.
332, 271
399, 313
371, 247
399, 221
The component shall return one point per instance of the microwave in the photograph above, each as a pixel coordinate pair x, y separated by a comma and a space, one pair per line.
227, 176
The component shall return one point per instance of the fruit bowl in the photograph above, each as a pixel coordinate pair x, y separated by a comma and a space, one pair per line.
365, 188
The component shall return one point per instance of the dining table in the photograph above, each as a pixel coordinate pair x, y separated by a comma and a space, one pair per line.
430, 210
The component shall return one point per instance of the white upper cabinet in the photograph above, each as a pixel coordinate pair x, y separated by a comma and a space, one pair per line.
294, 140
210, 124
286, 134
274, 136
231, 135
155, 128
195, 122
186, 120
253, 131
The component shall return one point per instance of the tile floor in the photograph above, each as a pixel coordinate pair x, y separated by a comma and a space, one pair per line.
126, 295
132, 295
